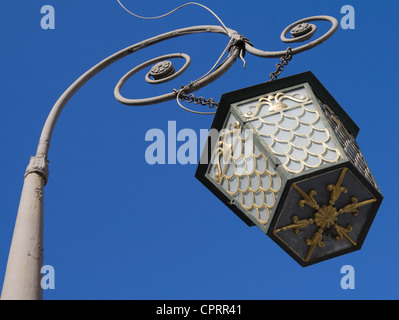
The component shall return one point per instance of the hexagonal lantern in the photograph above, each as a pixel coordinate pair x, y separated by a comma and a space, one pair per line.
282, 155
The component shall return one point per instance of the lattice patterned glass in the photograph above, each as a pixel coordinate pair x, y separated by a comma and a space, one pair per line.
348, 143
289, 123
244, 173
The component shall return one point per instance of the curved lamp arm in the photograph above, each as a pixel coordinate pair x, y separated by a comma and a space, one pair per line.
44, 142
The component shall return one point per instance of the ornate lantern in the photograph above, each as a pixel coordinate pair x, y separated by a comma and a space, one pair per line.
282, 155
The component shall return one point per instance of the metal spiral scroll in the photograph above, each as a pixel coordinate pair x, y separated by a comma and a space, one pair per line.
162, 69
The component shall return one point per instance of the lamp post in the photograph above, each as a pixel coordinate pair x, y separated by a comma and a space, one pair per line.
22, 278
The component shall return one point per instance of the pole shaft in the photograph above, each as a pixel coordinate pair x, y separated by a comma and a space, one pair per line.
22, 279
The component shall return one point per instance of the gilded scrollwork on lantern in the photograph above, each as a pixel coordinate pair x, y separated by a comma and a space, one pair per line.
274, 102
291, 125
326, 217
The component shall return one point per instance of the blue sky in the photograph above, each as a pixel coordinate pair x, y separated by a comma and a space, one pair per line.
119, 228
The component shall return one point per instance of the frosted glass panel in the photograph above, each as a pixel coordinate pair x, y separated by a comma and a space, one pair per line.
244, 173
290, 124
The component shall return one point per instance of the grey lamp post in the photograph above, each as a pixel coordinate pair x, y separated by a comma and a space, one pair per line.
22, 278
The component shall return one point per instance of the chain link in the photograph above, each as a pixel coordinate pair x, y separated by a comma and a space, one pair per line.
190, 98
281, 66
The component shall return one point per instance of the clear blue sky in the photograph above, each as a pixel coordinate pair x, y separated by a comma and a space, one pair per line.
119, 228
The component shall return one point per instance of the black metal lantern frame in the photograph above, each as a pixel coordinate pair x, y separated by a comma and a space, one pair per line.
285, 159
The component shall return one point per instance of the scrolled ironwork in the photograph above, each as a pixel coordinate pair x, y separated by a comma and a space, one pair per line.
132, 72
305, 47
238, 45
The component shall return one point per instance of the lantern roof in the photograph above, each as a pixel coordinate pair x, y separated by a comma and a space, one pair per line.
242, 94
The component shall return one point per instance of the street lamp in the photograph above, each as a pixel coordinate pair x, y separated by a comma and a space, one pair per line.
22, 278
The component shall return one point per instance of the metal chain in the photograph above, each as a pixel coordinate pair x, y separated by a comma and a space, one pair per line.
281, 66
190, 98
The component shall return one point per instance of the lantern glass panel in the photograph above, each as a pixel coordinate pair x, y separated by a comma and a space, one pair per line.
290, 123
244, 174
